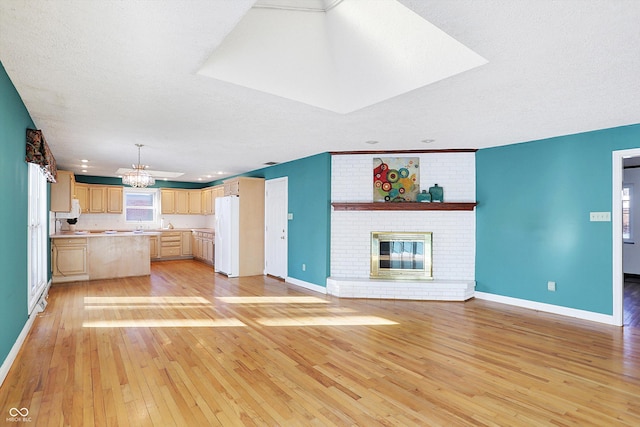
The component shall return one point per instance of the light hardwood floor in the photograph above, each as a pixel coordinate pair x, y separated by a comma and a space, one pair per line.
187, 347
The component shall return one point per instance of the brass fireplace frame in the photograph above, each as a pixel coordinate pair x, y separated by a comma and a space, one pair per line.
426, 273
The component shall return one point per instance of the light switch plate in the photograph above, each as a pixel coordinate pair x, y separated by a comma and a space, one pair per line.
600, 216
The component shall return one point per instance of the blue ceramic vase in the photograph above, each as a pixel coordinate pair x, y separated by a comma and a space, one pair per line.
437, 193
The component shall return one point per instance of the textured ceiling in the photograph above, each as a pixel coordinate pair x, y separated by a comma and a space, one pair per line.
100, 76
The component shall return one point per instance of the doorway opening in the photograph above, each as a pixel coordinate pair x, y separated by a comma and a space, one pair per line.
627, 293
624, 228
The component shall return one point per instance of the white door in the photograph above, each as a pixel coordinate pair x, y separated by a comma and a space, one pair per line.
276, 228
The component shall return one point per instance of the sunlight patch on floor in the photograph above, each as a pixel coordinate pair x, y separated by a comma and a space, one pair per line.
139, 307
163, 323
273, 300
325, 321
146, 300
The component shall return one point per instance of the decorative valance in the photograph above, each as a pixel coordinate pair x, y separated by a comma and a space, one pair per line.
38, 152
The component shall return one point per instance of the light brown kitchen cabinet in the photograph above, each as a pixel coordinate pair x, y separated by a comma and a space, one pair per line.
179, 201
82, 194
69, 259
99, 198
203, 245
209, 196
186, 249
175, 244
167, 201
62, 192
195, 202
208, 204
170, 244
153, 247
114, 199
207, 251
232, 187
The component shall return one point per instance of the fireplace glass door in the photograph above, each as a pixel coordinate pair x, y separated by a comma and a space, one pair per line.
401, 255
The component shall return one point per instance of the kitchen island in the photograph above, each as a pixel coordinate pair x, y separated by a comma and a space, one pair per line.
100, 255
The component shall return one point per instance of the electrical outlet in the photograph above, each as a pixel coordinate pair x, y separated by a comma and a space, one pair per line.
551, 286
304, 267
600, 216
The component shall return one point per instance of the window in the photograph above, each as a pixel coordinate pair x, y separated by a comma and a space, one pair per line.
140, 205
627, 209
37, 235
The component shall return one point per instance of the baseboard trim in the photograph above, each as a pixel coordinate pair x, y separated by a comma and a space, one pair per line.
15, 349
549, 308
11, 357
306, 285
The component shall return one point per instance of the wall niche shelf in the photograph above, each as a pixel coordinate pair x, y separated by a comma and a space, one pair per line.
404, 206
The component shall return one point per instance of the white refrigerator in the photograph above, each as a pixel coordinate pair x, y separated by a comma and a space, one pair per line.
227, 253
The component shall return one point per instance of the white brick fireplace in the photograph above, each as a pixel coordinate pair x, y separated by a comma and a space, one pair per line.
453, 231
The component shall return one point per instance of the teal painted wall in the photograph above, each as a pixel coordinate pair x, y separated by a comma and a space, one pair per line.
309, 182
14, 120
533, 222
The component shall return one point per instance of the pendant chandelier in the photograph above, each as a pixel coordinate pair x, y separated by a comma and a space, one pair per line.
138, 177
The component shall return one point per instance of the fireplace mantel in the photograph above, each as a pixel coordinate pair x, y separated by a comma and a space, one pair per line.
404, 206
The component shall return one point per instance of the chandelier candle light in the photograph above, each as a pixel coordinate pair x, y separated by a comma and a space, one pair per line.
138, 177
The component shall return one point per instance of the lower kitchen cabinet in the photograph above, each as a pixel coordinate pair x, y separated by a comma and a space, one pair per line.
153, 247
203, 246
69, 259
170, 244
174, 244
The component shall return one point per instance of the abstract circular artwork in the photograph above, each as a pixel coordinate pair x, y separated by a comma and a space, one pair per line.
396, 179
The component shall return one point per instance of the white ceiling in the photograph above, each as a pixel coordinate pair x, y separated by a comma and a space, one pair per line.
351, 56
100, 76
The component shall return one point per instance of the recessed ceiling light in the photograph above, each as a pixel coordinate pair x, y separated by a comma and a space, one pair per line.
220, 173
428, 141
84, 171
371, 142
208, 176
84, 161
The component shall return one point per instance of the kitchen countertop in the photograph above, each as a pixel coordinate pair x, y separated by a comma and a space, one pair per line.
151, 232
204, 230
70, 234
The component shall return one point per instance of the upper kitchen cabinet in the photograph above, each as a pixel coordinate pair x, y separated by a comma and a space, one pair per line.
209, 196
114, 199
207, 201
195, 201
175, 201
167, 201
82, 194
99, 198
62, 192
234, 187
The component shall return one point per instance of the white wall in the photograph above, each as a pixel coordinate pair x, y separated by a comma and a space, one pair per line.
453, 231
631, 252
